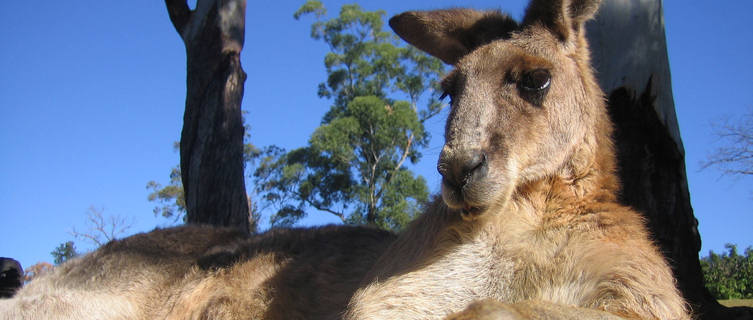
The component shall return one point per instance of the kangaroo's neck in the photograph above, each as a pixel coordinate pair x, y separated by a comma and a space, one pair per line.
587, 176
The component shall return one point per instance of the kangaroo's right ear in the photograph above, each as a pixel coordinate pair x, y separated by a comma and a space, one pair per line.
451, 34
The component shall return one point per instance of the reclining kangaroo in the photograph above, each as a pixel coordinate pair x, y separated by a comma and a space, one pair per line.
527, 227
530, 217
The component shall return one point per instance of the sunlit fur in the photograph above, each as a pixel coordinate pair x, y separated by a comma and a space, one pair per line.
201, 272
548, 240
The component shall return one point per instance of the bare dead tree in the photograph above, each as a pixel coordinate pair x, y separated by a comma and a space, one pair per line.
735, 155
211, 144
102, 229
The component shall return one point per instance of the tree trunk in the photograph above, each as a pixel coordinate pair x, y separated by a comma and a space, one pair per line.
630, 54
211, 144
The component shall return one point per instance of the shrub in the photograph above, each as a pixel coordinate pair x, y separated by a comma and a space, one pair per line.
729, 275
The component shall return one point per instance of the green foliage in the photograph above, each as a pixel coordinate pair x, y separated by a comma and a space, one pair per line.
315, 7
64, 252
730, 275
352, 168
170, 198
365, 60
353, 165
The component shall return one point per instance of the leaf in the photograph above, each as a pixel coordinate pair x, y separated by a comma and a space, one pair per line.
309, 7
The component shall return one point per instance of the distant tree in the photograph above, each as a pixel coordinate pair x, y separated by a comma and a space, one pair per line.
735, 155
729, 275
37, 270
64, 252
354, 164
170, 198
365, 60
102, 228
211, 143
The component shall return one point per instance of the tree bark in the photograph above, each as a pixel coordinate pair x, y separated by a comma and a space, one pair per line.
629, 53
211, 144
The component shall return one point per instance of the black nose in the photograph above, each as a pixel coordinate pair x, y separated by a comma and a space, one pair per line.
460, 169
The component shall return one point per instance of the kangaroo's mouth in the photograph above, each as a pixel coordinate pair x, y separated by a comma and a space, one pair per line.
471, 212
459, 198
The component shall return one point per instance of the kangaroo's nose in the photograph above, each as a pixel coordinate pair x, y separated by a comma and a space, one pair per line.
462, 167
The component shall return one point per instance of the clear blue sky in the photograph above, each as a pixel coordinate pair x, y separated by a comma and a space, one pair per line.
92, 96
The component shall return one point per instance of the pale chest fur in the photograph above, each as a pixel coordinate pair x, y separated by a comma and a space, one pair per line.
446, 284
487, 265
531, 262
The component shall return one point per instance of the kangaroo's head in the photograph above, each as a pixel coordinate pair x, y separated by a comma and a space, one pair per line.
524, 102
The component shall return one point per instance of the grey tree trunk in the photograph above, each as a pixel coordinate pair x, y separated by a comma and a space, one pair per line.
211, 144
629, 52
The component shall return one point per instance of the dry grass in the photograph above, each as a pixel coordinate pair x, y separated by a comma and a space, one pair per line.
737, 303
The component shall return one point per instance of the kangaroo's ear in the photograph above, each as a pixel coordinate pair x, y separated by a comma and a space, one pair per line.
565, 18
451, 34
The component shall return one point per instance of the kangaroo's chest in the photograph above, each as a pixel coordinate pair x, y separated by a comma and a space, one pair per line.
480, 268
515, 268
468, 272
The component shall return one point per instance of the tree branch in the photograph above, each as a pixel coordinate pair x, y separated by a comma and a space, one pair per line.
98, 227
179, 14
406, 151
431, 114
735, 156
90, 237
317, 207
298, 195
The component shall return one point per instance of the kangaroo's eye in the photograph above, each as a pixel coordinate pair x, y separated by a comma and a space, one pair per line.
533, 86
535, 80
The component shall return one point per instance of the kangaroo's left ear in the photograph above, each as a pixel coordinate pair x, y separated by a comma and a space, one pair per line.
565, 18
451, 34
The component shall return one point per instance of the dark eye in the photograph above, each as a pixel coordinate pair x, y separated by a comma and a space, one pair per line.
535, 80
533, 86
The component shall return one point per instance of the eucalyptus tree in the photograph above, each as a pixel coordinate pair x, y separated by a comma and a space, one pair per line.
354, 164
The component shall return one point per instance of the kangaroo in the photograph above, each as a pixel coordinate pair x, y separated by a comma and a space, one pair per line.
203, 272
529, 226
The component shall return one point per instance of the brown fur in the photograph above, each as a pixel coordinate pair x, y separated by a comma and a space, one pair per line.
527, 227
529, 217
199, 272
